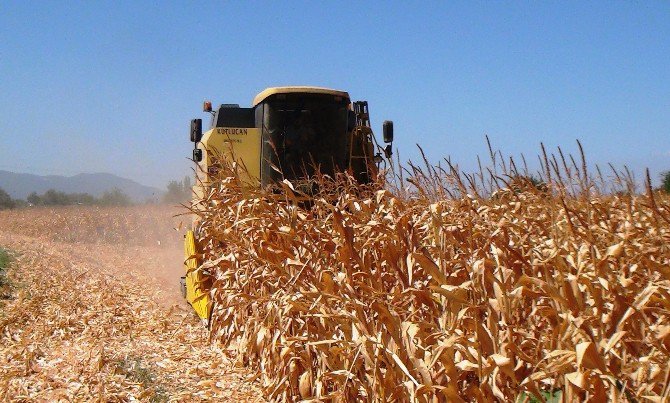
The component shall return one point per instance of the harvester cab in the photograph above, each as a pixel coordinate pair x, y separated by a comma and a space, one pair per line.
301, 130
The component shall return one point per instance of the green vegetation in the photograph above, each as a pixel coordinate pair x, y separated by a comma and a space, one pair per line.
133, 369
178, 191
6, 201
4, 281
4, 259
55, 198
665, 182
537, 183
115, 197
554, 396
519, 183
51, 197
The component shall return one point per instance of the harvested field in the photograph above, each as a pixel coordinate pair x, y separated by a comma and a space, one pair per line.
100, 318
136, 226
529, 291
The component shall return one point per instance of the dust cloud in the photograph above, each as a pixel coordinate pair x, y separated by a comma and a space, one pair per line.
144, 242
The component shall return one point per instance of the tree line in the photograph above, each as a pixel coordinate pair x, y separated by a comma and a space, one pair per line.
52, 197
177, 192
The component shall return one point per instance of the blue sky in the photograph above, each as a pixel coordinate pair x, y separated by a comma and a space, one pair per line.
111, 86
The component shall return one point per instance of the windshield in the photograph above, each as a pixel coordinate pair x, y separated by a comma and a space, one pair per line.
308, 134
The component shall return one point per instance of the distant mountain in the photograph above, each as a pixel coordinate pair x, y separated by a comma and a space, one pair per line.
20, 185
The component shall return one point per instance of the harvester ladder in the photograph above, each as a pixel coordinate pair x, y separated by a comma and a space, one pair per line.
361, 136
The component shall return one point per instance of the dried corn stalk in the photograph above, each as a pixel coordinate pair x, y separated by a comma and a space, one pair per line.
367, 295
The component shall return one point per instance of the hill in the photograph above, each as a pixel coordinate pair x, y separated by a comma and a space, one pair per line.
20, 185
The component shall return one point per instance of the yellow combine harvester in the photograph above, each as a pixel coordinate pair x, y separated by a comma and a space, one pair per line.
300, 129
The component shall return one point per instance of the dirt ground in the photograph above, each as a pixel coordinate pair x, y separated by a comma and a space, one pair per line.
93, 312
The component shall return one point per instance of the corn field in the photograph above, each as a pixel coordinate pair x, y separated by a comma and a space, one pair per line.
434, 285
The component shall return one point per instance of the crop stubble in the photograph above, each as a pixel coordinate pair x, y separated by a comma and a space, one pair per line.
84, 320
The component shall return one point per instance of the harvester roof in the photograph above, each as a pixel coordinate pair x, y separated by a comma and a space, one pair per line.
297, 89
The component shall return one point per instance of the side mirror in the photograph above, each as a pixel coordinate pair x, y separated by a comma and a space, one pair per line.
387, 127
351, 120
196, 130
